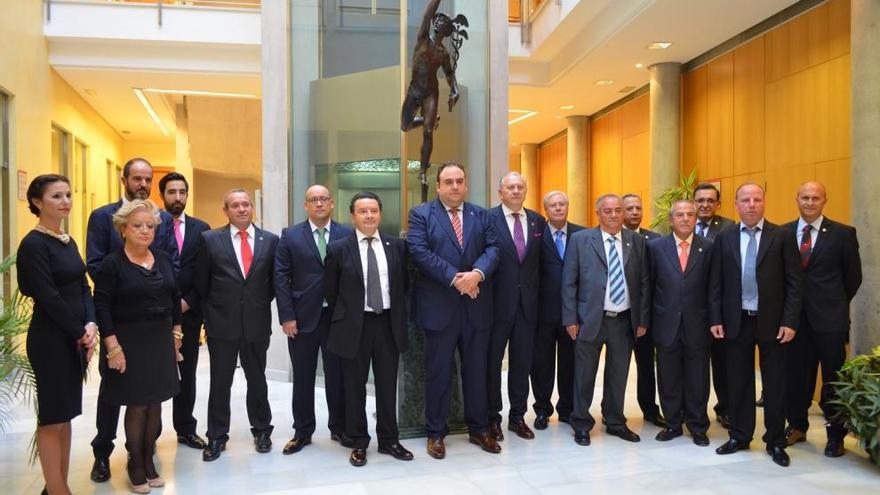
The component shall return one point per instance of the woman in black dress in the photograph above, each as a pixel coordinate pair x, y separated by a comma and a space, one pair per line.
138, 309
62, 333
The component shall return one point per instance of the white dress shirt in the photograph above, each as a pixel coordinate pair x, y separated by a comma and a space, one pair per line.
618, 246
508, 216
814, 232
379, 249
236, 243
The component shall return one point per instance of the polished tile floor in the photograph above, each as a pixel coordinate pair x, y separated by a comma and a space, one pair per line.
552, 463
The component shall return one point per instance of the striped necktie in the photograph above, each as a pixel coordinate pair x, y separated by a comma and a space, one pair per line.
615, 272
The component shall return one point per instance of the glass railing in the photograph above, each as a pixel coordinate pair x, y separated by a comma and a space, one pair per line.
252, 5
517, 7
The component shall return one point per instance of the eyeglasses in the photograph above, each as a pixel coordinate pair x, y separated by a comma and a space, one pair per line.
319, 199
706, 201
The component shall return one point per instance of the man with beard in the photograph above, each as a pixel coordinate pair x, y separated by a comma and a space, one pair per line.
101, 240
187, 234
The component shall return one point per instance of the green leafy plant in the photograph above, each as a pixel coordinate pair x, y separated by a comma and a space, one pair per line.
858, 392
16, 376
664, 201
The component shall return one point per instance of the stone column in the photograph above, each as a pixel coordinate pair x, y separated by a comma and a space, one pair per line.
183, 160
528, 167
865, 66
577, 170
665, 128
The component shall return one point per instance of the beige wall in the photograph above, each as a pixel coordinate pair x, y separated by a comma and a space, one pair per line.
208, 197
162, 154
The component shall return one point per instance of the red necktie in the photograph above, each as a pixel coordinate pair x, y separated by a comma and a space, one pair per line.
806, 248
246, 254
456, 226
683, 255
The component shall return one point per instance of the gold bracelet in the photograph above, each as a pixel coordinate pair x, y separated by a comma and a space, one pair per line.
114, 352
177, 335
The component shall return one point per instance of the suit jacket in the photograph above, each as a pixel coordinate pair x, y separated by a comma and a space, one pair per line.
779, 278
345, 292
236, 306
435, 252
102, 239
185, 275
718, 224
299, 274
832, 277
550, 294
682, 299
649, 235
516, 282
585, 274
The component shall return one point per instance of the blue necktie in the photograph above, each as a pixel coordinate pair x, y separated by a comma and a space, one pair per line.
560, 244
749, 282
701, 230
615, 273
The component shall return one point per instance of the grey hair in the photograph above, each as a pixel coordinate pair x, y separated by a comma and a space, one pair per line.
679, 201
554, 193
512, 173
603, 198
120, 218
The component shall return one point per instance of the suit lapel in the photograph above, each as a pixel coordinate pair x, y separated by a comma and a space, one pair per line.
468, 221
189, 235
549, 242
734, 241
439, 212
671, 251
355, 253
503, 230
226, 241
627, 245
766, 240
259, 247
693, 256
309, 238
825, 230
598, 246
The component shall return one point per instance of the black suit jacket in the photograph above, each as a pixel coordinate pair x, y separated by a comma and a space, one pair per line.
717, 225
832, 276
345, 291
550, 293
235, 306
779, 278
192, 241
299, 274
517, 282
649, 235
682, 299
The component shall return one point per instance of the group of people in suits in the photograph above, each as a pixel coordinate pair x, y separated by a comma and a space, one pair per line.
546, 292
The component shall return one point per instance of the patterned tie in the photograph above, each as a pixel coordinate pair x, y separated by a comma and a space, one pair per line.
322, 242
560, 244
615, 273
806, 246
374, 285
749, 280
701, 231
246, 254
456, 225
519, 239
178, 235
683, 255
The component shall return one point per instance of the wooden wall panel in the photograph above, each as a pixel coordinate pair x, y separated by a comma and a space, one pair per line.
836, 176
719, 154
782, 185
694, 122
552, 163
748, 107
838, 27
636, 167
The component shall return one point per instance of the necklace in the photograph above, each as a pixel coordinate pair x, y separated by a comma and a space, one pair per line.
145, 263
62, 237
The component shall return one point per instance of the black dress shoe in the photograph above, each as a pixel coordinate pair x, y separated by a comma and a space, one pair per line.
541, 422
656, 419
724, 421
582, 438
667, 434
563, 419
732, 446
624, 433
495, 432
834, 447
192, 441
700, 439
358, 457
521, 429
100, 470
296, 444
262, 442
396, 451
213, 449
342, 439
779, 456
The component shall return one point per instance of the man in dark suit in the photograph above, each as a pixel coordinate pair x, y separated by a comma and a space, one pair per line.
453, 245
709, 224
366, 283
683, 282
101, 240
305, 319
186, 231
760, 305
519, 231
554, 348
646, 381
604, 285
832, 268
233, 277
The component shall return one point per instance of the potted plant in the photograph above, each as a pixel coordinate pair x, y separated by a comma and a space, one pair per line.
16, 376
858, 396
664, 201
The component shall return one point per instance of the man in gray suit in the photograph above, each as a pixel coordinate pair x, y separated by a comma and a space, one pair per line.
604, 282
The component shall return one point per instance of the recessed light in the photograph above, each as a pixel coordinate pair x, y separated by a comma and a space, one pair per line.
659, 45
514, 144
193, 92
567, 107
149, 108
523, 115
559, 116
125, 132
639, 66
604, 82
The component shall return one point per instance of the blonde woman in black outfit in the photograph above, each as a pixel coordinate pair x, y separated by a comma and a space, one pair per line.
62, 333
138, 307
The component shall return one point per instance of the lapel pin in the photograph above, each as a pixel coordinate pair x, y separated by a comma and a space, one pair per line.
627, 244
824, 229
700, 249
387, 243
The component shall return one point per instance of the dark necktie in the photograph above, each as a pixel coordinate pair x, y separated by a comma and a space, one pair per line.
703, 229
749, 280
519, 239
806, 246
374, 285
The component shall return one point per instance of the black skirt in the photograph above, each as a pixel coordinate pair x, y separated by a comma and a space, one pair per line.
151, 364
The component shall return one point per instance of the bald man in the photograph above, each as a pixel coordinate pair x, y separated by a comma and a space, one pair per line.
832, 269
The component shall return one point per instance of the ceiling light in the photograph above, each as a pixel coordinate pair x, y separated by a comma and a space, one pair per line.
604, 82
567, 107
524, 114
153, 115
559, 116
639, 66
514, 144
659, 45
194, 92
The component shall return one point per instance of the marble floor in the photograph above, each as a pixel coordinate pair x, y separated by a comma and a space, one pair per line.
552, 463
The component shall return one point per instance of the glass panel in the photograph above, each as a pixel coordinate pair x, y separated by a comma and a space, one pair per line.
61, 159
81, 196
6, 203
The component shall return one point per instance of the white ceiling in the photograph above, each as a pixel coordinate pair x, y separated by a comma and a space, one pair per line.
608, 44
